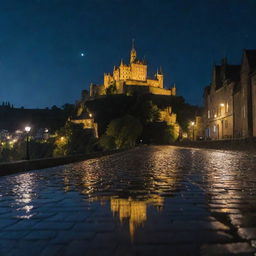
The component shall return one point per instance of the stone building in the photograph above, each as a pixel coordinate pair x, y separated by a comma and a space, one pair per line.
196, 129
131, 77
168, 116
247, 94
219, 101
230, 100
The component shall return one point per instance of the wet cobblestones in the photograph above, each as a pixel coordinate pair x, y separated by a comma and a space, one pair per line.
157, 200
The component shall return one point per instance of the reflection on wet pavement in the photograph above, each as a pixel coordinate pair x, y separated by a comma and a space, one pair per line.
157, 200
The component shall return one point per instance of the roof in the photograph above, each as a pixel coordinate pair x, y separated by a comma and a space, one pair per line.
251, 56
207, 90
226, 72
233, 72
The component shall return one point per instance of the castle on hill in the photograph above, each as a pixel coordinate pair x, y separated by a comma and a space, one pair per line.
127, 78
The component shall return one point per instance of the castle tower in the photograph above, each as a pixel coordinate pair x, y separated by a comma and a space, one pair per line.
133, 54
173, 90
160, 78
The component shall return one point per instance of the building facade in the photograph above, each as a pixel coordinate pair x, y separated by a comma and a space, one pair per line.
132, 77
230, 100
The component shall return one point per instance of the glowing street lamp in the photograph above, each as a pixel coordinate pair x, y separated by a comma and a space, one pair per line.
90, 115
222, 121
193, 125
27, 130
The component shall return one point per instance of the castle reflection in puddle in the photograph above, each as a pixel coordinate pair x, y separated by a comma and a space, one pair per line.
135, 211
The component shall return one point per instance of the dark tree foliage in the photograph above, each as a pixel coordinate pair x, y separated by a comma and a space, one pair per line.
73, 139
37, 149
17, 118
106, 109
157, 133
69, 109
142, 107
111, 89
124, 131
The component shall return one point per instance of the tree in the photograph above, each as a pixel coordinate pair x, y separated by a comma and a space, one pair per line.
54, 108
125, 131
111, 89
107, 142
158, 133
146, 111
69, 109
73, 139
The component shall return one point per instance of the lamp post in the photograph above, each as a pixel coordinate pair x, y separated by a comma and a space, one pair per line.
222, 105
27, 130
193, 125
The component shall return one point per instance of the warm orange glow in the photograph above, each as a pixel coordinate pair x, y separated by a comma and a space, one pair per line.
133, 210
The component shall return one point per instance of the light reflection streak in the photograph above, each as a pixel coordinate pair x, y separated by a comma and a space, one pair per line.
23, 190
130, 189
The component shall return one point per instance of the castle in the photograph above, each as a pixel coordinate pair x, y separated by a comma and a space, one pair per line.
127, 78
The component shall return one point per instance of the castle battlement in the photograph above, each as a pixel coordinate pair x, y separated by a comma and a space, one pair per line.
133, 75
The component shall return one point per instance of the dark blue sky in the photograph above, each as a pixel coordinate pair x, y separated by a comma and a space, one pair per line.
41, 42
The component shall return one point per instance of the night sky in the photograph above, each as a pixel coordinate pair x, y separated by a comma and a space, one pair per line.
41, 42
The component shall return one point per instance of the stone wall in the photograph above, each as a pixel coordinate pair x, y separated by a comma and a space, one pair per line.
21, 166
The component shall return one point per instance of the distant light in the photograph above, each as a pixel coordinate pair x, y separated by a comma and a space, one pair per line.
90, 115
82, 54
46, 130
222, 104
27, 128
192, 123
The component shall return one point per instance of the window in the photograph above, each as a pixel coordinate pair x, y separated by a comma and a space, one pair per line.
209, 114
214, 128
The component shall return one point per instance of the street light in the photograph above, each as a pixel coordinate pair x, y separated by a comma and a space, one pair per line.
193, 125
27, 130
90, 115
222, 121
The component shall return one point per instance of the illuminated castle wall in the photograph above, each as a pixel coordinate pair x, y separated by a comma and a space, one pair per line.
132, 76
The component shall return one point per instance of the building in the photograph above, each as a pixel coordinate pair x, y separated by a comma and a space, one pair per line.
219, 101
168, 116
230, 100
127, 78
196, 129
247, 95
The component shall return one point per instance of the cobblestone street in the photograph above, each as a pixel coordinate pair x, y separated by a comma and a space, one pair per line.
155, 200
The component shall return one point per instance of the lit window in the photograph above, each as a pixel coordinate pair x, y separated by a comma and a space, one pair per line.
214, 128
209, 113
